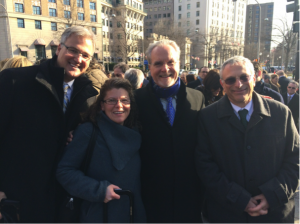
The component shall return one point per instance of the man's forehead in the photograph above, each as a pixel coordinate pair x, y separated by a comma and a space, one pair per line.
160, 53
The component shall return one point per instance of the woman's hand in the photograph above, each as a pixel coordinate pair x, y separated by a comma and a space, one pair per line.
110, 193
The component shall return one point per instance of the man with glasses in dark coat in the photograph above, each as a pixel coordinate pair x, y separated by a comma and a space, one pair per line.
248, 152
39, 106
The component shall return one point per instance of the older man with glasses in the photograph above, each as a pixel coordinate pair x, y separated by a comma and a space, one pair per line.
248, 152
291, 99
39, 106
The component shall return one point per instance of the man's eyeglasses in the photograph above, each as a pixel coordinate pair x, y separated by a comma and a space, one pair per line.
114, 101
291, 87
232, 80
74, 52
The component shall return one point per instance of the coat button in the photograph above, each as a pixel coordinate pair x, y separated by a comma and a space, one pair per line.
248, 147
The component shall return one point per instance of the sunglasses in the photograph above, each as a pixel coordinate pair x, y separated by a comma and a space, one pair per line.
291, 87
232, 80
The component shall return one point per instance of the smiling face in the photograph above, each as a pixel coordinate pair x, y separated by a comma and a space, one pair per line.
74, 65
117, 113
164, 66
203, 72
240, 92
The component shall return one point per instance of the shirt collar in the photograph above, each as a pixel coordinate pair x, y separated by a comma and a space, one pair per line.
70, 84
290, 95
248, 107
199, 78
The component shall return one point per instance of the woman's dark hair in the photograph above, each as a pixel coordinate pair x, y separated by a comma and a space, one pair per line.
95, 108
212, 82
190, 78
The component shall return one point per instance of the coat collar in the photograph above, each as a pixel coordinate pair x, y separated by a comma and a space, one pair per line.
260, 105
123, 143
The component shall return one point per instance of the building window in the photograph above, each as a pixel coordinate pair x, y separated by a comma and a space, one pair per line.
36, 10
188, 23
19, 7
80, 3
93, 18
52, 12
67, 14
197, 13
179, 16
159, 15
188, 6
179, 24
169, 15
179, 8
96, 56
53, 1
198, 5
93, 5
94, 30
119, 24
67, 26
188, 32
188, 15
53, 50
53, 26
38, 24
111, 36
66, 2
197, 22
80, 16
165, 15
119, 36
40, 52
21, 23
24, 53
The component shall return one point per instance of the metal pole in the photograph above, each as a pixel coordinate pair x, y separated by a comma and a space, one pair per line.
258, 49
143, 55
12, 54
282, 44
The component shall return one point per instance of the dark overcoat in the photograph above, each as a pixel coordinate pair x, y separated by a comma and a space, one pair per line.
236, 164
171, 189
194, 84
294, 107
33, 130
115, 160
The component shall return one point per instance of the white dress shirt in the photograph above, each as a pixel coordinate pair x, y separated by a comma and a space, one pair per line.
164, 103
248, 107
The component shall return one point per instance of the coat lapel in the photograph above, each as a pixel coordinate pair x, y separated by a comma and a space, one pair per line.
181, 97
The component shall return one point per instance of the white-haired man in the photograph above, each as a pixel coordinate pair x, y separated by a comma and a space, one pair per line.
39, 106
135, 77
248, 152
171, 190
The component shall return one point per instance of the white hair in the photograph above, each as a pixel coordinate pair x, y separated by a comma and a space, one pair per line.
135, 77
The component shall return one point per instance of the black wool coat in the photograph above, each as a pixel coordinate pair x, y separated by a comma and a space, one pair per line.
33, 131
171, 190
194, 84
236, 164
294, 107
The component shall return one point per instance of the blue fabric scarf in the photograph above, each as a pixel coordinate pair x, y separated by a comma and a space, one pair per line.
166, 92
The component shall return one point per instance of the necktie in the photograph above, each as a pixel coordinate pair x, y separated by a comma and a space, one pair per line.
170, 110
66, 100
243, 113
289, 99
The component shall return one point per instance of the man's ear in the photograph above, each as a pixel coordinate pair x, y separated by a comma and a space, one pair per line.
58, 49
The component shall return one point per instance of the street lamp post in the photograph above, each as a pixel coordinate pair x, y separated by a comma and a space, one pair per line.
258, 49
12, 54
112, 16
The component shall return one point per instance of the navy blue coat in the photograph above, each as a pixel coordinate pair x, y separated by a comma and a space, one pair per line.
115, 160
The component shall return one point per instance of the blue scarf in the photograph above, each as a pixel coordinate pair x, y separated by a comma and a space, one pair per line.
166, 92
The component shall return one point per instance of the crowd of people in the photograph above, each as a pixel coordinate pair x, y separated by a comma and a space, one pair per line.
219, 147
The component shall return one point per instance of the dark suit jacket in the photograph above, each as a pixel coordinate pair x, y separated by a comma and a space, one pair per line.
171, 190
283, 82
194, 84
260, 88
33, 131
294, 107
236, 164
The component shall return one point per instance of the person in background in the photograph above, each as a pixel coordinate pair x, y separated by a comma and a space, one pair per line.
291, 99
171, 189
282, 80
120, 69
248, 153
40, 105
96, 74
17, 62
211, 89
199, 81
38, 62
274, 81
267, 80
115, 160
190, 78
260, 86
135, 77
2, 63
183, 77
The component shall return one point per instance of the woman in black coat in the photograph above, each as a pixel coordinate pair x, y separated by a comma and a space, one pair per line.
115, 160
211, 89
